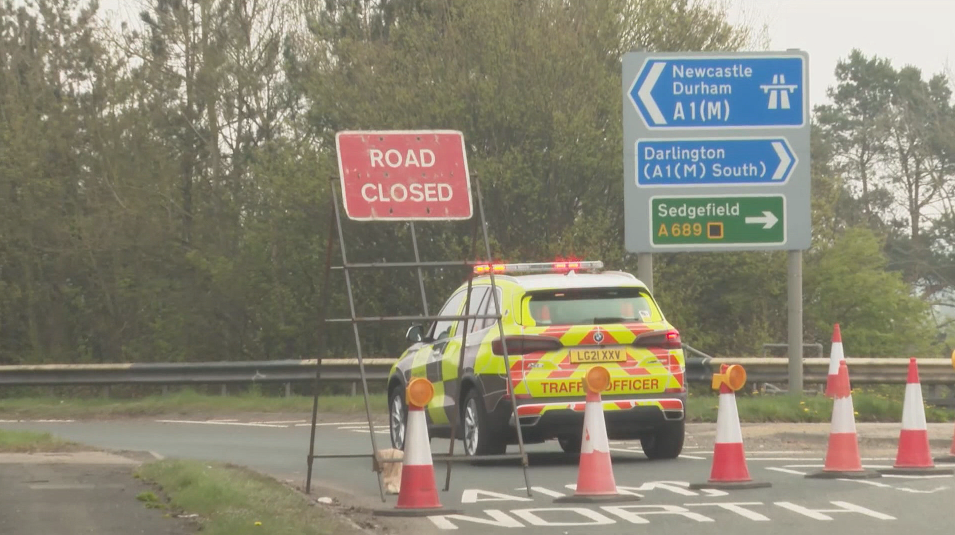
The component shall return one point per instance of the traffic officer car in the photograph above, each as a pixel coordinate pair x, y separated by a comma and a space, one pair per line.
558, 319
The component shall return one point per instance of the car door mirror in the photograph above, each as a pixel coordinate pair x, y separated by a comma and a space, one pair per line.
415, 334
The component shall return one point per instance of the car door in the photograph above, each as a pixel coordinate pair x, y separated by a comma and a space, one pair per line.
427, 363
450, 348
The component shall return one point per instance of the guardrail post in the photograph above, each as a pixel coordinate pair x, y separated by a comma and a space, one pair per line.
225, 390
106, 391
165, 389
288, 390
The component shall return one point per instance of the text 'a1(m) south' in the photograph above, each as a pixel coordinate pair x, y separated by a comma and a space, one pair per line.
395, 159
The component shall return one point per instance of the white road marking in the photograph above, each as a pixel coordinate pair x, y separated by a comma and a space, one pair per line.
543, 490
497, 518
276, 422
785, 470
212, 422
823, 466
902, 489
844, 507
330, 424
478, 495
37, 421
589, 517
737, 508
933, 476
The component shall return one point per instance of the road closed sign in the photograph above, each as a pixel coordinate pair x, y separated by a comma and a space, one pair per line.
404, 175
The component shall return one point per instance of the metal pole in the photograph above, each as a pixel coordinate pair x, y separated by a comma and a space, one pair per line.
645, 269
795, 323
417, 260
361, 361
500, 331
456, 414
322, 313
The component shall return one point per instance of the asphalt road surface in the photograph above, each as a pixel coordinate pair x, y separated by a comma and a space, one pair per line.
491, 498
77, 493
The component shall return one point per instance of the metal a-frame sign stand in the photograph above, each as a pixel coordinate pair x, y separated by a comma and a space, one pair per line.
336, 230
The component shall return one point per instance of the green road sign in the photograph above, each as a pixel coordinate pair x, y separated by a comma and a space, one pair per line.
717, 220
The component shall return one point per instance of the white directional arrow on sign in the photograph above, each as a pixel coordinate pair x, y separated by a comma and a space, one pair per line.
647, 98
768, 220
784, 160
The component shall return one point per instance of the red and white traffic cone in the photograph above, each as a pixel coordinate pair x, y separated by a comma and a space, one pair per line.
595, 481
418, 494
842, 455
729, 470
836, 356
914, 454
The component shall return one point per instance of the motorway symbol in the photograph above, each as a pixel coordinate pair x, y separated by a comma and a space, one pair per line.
716, 161
721, 92
717, 221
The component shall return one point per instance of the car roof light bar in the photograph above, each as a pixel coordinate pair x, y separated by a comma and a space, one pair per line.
539, 267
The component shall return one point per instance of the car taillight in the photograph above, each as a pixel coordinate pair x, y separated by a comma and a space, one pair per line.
667, 340
522, 345
673, 340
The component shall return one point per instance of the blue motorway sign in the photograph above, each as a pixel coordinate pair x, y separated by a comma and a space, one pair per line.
721, 92
719, 161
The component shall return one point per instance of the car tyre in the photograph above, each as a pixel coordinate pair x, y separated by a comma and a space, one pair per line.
397, 417
666, 442
479, 438
570, 443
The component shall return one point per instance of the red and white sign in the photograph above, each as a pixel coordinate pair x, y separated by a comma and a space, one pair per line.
404, 175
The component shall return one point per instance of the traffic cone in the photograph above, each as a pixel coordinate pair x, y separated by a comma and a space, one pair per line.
418, 493
595, 481
842, 455
836, 356
914, 454
729, 470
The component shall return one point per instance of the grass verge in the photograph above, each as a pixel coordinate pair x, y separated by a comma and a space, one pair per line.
760, 408
185, 402
30, 442
235, 501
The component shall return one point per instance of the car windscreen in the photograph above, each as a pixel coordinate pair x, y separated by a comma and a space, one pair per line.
591, 306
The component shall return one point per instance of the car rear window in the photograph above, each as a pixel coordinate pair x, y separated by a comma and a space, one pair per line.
592, 306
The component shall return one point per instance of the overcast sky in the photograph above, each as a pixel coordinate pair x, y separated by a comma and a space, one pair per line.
916, 32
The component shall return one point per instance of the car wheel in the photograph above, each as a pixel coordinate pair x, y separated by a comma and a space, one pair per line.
478, 437
397, 417
666, 442
570, 443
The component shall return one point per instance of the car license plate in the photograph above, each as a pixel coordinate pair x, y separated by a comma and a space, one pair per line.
595, 355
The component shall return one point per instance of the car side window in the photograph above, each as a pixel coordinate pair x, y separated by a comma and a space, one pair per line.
489, 309
478, 296
442, 328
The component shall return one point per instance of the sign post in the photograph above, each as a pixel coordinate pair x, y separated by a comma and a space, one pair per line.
406, 176
716, 158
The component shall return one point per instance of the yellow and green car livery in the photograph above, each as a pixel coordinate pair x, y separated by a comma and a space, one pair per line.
557, 320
